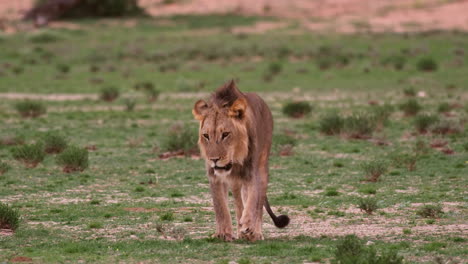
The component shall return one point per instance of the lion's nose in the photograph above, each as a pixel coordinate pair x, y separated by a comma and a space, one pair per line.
214, 160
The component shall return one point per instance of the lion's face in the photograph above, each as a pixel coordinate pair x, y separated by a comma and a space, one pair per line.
223, 138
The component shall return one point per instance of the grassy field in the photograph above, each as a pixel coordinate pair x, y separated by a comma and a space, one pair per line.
132, 206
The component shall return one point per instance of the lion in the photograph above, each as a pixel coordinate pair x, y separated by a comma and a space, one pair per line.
235, 136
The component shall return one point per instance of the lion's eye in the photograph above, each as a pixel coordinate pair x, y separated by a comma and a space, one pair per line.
225, 134
206, 136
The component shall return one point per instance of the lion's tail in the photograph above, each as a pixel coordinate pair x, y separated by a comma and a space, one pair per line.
280, 221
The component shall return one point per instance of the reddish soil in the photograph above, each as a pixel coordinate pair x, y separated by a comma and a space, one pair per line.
319, 15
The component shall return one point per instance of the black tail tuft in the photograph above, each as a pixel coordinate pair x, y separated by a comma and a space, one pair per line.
281, 221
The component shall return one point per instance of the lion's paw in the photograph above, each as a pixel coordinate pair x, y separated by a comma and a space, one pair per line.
250, 234
224, 236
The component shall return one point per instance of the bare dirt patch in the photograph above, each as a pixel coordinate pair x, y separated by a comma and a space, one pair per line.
321, 15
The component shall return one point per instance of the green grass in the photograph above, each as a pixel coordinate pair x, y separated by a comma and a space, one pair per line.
111, 212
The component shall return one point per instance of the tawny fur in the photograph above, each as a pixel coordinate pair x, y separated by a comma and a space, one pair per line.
235, 136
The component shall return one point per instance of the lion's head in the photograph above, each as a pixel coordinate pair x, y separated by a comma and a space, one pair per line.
223, 137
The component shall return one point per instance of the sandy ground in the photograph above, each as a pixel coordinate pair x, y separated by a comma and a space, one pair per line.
318, 15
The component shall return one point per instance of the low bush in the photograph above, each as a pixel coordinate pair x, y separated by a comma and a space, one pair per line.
54, 143
283, 144
331, 124
181, 138
404, 160
396, 61
297, 109
444, 107
359, 126
446, 126
149, 89
411, 107
409, 91
9, 217
30, 108
17, 139
351, 250
4, 167
109, 93
374, 169
275, 68
30, 155
422, 122
130, 104
427, 64
430, 211
368, 205
380, 114
73, 159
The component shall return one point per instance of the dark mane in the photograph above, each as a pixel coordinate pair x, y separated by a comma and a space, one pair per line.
226, 94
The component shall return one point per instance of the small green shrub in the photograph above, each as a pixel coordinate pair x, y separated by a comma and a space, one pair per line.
351, 250
283, 144
95, 225
30, 155
368, 205
275, 68
109, 93
9, 217
181, 139
359, 126
409, 91
331, 191
102, 8
297, 109
31, 109
430, 211
396, 61
411, 107
44, 36
130, 104
374, 169
444, 107
54, 143
368, 189
4, 167
63, 68
422, 122
73, 159
167, 216
380, 114
446, 126
149, 89
427, 64
331, 124
404, 159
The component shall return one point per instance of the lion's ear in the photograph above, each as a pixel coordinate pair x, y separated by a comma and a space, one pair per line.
237, 109
199, 110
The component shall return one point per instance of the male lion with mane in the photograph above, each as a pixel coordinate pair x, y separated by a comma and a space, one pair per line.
235, 139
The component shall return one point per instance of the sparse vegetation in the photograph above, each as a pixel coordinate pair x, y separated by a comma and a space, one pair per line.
331, 124
4, 167
54, 143
181, 138
374, 169
427, 64
31, 155
359, 126
109, 93
422, 122
30, 108
297, 109
368, 205
130, 104
9, 217
411, 107
351, 250
73, 159
430, 211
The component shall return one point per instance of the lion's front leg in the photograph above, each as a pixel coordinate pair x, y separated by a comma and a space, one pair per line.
236, 188
252, 217
219, 192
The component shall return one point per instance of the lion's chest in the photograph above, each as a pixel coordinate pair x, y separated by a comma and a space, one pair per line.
222, 176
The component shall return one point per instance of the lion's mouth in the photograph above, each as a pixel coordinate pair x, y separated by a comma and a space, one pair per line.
226, 168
